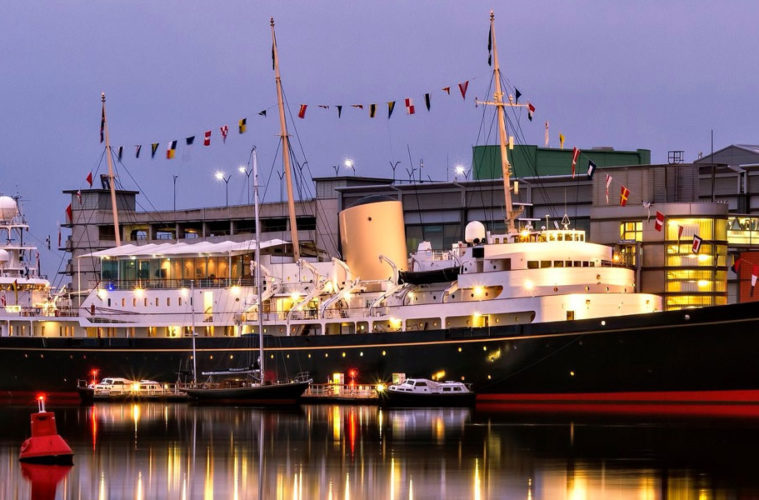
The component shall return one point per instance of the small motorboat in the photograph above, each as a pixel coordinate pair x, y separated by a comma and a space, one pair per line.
120, 389
425, 392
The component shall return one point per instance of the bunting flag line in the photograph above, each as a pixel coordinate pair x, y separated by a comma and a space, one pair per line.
754, 275
339, 110
696, 243
372, 110
410, 106
137, 149
624, 194
153, 149
207, 138
679, 232
59, 235
242, 125
531, 111
561, 140
262, 112
190, 140
69, 215
120, 152
659, 222
608, 183
591, 169
447, 90
323, 106
462, 88
89, 179
575, 154
647, 206
357, 106
427, 101
102, 123
390, 108
517, 95
302, 112
224, 131
79, 197
171, 149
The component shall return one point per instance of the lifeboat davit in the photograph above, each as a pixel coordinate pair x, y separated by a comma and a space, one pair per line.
45, 446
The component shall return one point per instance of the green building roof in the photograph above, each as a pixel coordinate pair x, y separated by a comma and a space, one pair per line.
532, 161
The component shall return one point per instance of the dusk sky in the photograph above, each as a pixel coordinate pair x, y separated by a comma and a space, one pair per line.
646, 74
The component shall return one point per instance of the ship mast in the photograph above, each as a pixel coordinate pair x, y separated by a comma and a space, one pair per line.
111, 177
285, 148
511, 214
259, 287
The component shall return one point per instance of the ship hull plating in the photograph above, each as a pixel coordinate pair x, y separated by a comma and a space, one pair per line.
704, 350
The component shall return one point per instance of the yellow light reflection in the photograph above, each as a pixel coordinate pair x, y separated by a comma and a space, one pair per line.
477, 492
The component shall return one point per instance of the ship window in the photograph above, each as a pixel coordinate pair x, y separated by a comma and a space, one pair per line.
585, 263
421, 384
578, 263
109, 302
545, 263
568, 263
156, 301
532, 264
123, 301
560, 237
134, 302
558, 263
179, 299
168, 301
446, 389
145, 302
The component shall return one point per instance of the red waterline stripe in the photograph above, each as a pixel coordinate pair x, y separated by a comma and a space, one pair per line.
657, 397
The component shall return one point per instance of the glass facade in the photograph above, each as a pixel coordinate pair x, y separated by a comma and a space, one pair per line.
176, 272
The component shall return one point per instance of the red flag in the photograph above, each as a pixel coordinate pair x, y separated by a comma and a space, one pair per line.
79, 196
69, 213
89, 179
207, 138
462, 88
530, 111
224, 131
679, 232
624, 194
575, 154
409, 106
302, 112
357, 106
608, 183
659, 222
447, 90
696, 243
736, 267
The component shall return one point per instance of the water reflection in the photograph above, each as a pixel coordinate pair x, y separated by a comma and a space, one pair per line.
179, 451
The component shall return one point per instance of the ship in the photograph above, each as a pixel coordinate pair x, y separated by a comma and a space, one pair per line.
531, 316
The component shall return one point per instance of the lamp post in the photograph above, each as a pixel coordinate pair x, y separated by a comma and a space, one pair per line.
349, 164
247, 173
462, 171
220, 177
175, 192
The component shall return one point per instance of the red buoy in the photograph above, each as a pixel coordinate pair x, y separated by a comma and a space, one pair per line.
45, 446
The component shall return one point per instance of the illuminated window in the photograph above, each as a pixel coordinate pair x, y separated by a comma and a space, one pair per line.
631, 231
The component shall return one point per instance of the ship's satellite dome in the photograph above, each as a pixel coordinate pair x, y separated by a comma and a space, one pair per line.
4, 256
8, 208
475, 230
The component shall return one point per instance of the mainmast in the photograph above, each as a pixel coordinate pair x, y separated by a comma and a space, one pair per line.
285, 148
111, 177
259, 286
511, 214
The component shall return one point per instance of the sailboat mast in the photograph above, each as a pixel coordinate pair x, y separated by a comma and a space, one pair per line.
111, 177
285, 148
259, 286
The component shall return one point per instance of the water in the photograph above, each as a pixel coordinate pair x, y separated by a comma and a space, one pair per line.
177, 451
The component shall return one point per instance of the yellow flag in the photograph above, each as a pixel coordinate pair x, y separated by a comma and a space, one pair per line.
561, 140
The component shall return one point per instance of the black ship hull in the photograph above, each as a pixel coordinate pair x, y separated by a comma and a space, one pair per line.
707, 354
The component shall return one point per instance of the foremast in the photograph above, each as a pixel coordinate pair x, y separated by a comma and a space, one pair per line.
285, 148
111, 177
511, 214
259, 286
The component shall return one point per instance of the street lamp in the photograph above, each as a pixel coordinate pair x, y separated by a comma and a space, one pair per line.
462, 171
247, 173
349, 164
220, 177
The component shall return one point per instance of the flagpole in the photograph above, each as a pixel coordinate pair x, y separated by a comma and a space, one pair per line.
111, 177
285, 148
